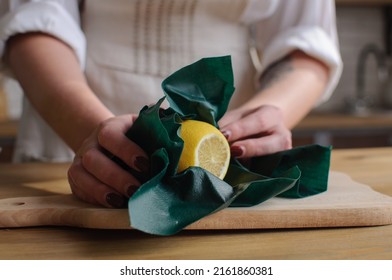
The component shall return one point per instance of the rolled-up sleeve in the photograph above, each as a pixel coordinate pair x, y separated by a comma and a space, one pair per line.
58, 18
306, 25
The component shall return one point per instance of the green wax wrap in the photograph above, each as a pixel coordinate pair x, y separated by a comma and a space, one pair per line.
167, 202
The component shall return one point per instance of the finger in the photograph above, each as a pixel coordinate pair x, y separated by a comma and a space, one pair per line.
229, 117
258, 122
111, 136
88, 188
109, 173
261, 146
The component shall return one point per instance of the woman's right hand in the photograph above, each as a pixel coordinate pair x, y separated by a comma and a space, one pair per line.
94, 177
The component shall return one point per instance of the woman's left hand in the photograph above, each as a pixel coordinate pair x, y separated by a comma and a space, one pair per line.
260, 131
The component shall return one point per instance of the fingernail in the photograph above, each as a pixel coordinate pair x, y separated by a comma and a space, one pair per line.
226, 133
236, 151
115, 200
131, 190
142, 164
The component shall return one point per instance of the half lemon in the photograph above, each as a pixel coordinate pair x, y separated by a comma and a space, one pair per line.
204, 146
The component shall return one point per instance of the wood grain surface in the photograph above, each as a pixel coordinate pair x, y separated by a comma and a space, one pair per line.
367, 166
346, 203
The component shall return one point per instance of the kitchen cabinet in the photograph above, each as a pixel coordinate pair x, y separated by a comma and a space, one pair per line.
363, 2
345, 131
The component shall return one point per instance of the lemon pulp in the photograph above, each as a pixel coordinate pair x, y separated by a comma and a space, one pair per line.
204, 146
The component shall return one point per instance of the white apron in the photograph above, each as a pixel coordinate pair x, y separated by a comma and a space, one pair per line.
128, 47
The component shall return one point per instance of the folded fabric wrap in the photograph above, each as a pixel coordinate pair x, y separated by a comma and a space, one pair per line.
167, 202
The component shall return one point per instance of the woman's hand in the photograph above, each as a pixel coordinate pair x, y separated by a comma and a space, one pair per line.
94, 177
78, 117
257, 132
288, 90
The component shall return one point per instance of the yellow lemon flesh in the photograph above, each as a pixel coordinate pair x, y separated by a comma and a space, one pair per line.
204, 146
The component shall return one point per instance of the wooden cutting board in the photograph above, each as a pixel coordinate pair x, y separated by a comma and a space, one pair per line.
345, 204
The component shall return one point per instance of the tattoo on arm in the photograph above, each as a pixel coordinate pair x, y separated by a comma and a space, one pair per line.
275, 72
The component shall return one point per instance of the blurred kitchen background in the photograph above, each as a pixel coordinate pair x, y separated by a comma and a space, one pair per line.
359, 114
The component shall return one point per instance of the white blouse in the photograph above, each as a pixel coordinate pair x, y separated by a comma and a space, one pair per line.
127, 47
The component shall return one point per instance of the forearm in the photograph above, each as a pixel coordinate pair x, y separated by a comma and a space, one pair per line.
293, 84
51, 78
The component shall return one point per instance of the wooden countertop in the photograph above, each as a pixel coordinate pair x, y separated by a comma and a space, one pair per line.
368, 166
